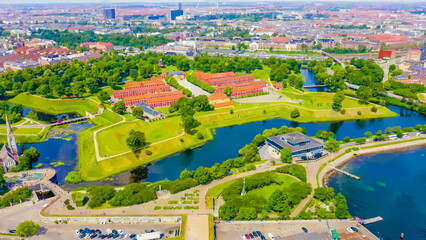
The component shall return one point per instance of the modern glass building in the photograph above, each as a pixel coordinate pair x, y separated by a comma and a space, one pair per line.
109, 13
301, 145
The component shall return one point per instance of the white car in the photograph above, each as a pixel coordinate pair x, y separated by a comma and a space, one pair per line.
120, 231
350, 230
243, 237
271, 236
77, 232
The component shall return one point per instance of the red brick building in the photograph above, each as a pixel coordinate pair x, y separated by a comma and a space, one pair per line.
226, 78
163, 101
155, 85
243, 88
98, 45
387, 54
132, 100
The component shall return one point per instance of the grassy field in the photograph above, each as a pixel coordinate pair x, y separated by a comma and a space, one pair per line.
262, 74
33, 135
56, 106
319, 100
267, 191
112, 141
422, 96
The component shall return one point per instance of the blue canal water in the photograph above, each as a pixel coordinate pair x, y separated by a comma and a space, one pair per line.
393, 186
311, 80
229, 140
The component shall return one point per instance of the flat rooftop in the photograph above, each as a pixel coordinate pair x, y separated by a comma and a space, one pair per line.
295, 138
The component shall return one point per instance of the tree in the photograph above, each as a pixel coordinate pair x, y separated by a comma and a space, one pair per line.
247, 213
227, 91
295, 113
185, 174
103, 96
279, 202
119, 107
346, 139
374, 109
364, 94
27, 228
379, 133
337, 101
202, 175
189, 123
32, 115
137, 112
135, 140
332, 145
286, 155
342, 211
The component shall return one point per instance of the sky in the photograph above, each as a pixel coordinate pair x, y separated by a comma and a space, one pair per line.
157, 1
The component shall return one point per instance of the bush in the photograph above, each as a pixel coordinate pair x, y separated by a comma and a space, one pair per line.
374, 109
343, 111
148, 152
200, 135
157, 208
173, 202
359, 113
69, 207
295, 170
181, 140
79, 198
67, 202
73, 177
295, 113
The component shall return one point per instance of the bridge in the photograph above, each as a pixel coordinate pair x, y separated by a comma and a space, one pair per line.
346, 173
372, 220
69, 121
352, 86
334, 58
313, 86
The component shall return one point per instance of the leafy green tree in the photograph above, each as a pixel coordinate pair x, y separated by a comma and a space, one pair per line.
103, 96
133, 73
189, 123
119, 107
99, 195
137, 112
202, 175
364, 94
27, 228
342, 211
295, 113
346, 139
227, 91
135, 140
332, 145
379, 133
368, 134
32, 115
279, 202
185, 174
286, 155
247, 213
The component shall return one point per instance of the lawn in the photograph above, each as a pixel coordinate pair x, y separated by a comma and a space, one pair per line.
267, 191
262, 74
112, 141
422, 96
319, 100
56, 106
114, 138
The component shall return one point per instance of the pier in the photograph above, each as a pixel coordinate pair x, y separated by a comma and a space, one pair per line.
372, 220
346, 173
313, 86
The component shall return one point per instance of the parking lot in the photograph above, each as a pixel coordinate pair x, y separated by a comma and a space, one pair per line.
67, 231
318, 230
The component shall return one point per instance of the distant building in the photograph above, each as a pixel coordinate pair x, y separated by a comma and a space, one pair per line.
301, 145
423, 53
109, 13
219, 100
387, 54
98, 45
175, 13
178, 75
20, 64
149, 112
413, 55
9, 153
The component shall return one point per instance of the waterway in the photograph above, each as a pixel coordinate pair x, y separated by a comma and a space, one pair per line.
311, 80
393, 186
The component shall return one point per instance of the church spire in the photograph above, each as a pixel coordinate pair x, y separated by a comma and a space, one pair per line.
10, 137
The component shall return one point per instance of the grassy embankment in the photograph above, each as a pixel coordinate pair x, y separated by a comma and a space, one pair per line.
112, 140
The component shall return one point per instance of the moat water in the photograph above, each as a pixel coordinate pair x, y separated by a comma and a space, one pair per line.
393, 186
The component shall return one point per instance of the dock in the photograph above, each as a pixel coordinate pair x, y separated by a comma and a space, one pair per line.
313, 86
347, 174
372, 220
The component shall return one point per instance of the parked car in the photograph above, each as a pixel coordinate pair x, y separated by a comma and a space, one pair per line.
355, 229
251, 235
12, 231
304, 229
247, 236
243, 237
82, 235
350, 230
77, 232
259, 233
262, 237
93, 236
132, 235
271, 236
120, 231
255, 234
